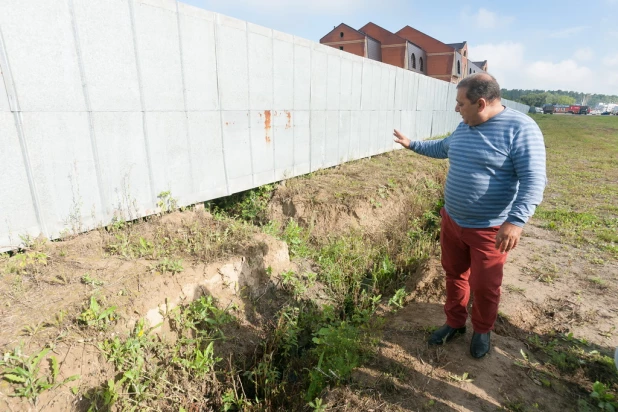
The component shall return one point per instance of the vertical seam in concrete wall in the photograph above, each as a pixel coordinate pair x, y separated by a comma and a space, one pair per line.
11, 92
339, 110
184, 99
141, 99
292, 108
250, 108
215, 26
93, 140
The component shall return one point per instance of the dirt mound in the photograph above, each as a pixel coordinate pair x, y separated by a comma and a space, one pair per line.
367, 194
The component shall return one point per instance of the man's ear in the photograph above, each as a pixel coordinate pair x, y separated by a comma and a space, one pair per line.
482, 104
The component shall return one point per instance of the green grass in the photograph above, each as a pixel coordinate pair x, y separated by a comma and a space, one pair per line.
582, 167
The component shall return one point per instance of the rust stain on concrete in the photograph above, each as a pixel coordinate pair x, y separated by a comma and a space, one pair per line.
267, 125
289, 123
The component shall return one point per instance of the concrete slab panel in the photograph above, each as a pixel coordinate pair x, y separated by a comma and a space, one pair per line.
384, 88
345, 100
319, 75
413, 123
237, 149
397, 123
405, 91
261, 30
374, 135
284, 144
4, 99
283, 55
376, 86
108, 55
388, 130
208, 167
413, 87
331, 141
423, 124
40, 46
392, 78
123, 164
333, 82
318, 136
345, 135
262, 144
159, 58
357, 73
260, 71
199, 60
399, 88
170, 154
231, 22
302, 77
196, 12
366, 86
382, 129
63, 170
281, 36
355, 134
17, 213
232, 66
302, 141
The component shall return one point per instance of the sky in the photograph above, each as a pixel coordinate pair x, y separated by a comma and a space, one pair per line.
540, 44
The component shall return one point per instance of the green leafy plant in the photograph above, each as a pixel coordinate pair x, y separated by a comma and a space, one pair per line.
170, 265
24, 372
94, 316
606, 401
397, 299
166, 202
87, 280
317, 405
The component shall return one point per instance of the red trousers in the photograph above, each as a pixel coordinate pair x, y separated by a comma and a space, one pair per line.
471, 262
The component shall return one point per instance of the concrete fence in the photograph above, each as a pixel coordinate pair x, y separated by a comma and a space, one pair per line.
106, 104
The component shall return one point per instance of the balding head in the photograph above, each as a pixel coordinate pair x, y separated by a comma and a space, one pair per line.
480, 85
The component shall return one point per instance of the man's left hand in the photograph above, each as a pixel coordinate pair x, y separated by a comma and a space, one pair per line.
507, 237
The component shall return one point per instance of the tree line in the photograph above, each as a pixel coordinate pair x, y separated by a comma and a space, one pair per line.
538, 98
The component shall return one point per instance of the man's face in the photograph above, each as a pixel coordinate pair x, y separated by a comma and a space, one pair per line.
468, 110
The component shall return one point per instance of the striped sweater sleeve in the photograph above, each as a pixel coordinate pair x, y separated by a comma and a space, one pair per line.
432, 148
528, 156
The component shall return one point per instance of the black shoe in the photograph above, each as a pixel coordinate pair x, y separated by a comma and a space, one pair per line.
480, 344
445, 334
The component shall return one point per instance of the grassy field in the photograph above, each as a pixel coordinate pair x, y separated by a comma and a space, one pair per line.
581, 199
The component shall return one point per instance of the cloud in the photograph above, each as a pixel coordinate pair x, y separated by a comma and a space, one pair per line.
566, 74
611, 60
583, 54
485, 19
568, 32
508, 63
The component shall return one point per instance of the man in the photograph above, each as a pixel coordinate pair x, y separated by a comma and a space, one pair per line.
495, 181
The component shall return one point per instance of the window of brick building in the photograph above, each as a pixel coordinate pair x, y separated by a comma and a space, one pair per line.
413, 61
458, 67
420, 61
470, 72
465, 54
340, 47
341, 34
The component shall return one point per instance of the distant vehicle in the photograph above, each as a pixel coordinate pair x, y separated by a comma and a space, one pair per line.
549, 109
578, 109
606, 113
538, 110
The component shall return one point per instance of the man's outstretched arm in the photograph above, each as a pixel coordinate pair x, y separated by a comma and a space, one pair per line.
431, 148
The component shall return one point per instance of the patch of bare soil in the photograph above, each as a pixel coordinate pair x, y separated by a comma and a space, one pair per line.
42, 301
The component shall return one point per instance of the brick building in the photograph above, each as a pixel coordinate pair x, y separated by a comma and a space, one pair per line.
409, 49
397, 50
344, 37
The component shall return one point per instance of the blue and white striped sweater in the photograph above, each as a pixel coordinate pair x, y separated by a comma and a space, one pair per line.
497, 170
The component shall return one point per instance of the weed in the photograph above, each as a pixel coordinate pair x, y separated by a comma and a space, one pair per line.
170, 265
87, 280
606, 401
94, 316
27, 263
317, 405
397, 299
463, 378
166, 202
24, 372
250, 206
